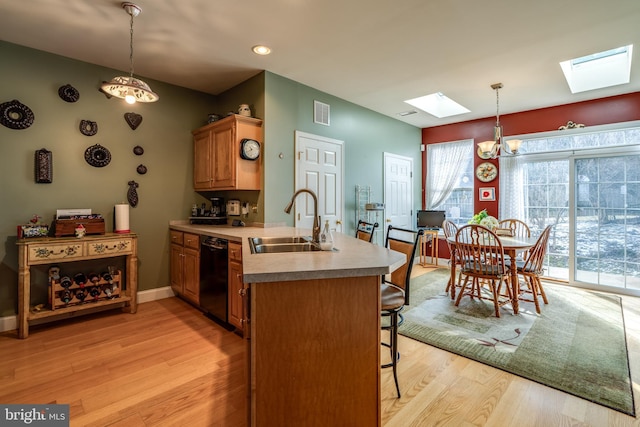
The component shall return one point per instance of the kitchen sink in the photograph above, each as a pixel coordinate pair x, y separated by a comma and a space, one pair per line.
271, 245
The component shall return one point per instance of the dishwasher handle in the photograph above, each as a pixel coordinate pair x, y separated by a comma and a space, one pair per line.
215, 243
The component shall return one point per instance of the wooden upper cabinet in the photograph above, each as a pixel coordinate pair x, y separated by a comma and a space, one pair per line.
217, 162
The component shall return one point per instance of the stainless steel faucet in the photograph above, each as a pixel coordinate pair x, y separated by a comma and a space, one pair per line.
316, 218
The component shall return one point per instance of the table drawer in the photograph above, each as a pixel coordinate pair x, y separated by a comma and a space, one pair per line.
110, 247
45, 253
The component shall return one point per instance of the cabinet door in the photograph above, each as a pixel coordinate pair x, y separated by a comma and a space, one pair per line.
202, 161
192, 275
224, 155
177, 268
235, 299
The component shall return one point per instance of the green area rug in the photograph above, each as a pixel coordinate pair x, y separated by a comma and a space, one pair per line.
576, 345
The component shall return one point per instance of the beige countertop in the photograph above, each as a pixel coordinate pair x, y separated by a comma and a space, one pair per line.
353, 258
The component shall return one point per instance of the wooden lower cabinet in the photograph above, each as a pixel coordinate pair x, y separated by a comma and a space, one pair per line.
185, 265
314, 353
235, 287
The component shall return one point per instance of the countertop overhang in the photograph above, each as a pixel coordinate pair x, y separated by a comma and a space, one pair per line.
353, 258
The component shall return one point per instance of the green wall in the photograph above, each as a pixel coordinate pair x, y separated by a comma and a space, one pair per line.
166, 190
366, 134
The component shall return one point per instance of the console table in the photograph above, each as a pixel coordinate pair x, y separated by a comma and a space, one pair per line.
55, 250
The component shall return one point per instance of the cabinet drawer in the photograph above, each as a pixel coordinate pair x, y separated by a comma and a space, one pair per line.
235, 252
191, 241
39, 254
110, 247
176, 237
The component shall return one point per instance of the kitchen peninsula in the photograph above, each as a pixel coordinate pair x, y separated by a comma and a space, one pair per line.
312, 327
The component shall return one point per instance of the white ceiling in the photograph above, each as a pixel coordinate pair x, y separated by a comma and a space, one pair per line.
373, 53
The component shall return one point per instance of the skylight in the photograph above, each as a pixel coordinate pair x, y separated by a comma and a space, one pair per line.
603, 69
437, 105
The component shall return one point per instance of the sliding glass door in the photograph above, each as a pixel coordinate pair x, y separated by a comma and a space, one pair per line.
607, 221
587, 185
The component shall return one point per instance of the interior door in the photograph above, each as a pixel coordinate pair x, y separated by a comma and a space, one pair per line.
398, 191
319, 167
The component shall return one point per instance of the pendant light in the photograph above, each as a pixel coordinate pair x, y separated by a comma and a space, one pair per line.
491, 149
128, 87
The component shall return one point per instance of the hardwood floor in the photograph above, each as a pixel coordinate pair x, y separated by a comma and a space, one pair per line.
168, 365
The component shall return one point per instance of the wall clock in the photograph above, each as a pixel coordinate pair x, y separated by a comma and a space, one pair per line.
249, 149
486, 172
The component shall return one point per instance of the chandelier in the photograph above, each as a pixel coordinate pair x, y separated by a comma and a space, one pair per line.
491, 149
129, 88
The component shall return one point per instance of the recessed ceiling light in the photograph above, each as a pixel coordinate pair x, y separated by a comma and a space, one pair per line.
438, 105
603, 69
261, 50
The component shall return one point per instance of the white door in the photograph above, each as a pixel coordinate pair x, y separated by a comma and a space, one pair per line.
398, 192
319, 167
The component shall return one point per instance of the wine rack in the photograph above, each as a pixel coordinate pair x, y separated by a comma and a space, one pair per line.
93, 291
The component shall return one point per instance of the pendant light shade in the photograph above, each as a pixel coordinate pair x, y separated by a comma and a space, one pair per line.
129, 88
492, 149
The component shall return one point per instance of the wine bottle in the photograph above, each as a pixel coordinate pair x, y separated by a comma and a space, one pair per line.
94, 278
94, 292
65, 296
65, 282
80, 279
107, 276
107, 290
81, 294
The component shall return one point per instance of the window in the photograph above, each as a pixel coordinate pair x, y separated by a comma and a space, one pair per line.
449, 184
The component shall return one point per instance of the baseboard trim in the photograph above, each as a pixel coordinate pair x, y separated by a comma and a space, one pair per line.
10, 323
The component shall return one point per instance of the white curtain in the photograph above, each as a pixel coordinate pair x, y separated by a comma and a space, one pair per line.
511, 188
445, 163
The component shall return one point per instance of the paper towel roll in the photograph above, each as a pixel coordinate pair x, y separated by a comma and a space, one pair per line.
122, 218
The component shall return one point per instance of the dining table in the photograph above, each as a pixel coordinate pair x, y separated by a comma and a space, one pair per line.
511, 245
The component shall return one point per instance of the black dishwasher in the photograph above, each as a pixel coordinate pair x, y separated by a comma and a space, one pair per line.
214, 278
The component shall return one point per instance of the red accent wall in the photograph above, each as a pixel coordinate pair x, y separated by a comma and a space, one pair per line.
615, 109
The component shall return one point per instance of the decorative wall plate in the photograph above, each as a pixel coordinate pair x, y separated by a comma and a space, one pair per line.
88, 128
97, 156
44, 166
68, 93
16, 115
132, 194
142, 169
138, 151
133, 120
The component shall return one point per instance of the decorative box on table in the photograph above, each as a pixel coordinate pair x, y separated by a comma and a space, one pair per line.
93, 224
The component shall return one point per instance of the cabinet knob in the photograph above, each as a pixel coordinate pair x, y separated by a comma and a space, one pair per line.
242, 292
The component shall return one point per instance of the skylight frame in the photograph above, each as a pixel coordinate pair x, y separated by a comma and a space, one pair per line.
599, 70
438, 105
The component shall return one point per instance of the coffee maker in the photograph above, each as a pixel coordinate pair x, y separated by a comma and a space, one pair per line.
214, 216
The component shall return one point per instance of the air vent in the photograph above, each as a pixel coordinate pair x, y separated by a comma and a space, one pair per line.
321, 113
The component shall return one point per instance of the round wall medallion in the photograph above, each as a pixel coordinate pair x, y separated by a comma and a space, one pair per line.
97, 156
142, 169
138, 151
16, 115
88, 128
68, 93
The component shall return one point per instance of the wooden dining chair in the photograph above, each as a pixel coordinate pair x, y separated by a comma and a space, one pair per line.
518, 228
532, 268
394, 290
483, 264
449, 228
365, 230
